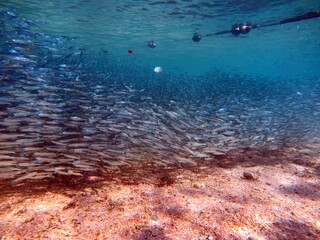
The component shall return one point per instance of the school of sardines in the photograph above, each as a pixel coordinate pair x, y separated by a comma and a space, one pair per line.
57, 118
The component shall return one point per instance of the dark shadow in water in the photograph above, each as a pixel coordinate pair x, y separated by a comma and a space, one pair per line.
150, 232
305, 190
148, 172
160, 206
293, 230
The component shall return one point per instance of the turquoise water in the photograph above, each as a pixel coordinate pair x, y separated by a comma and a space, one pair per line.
286, 51
79, 92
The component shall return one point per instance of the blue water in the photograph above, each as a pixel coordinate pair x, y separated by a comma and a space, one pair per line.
286, 51
79, 92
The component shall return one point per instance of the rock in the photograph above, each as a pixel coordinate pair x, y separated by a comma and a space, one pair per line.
155, 218
248, 176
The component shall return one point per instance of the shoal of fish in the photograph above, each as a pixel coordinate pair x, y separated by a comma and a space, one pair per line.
56, 120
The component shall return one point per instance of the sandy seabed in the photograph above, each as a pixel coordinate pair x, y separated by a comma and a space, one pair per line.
246, 201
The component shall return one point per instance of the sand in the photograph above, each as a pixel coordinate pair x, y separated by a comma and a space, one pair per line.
251, 199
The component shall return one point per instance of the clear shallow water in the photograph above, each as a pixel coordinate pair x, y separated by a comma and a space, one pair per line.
285, 51
74, 100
